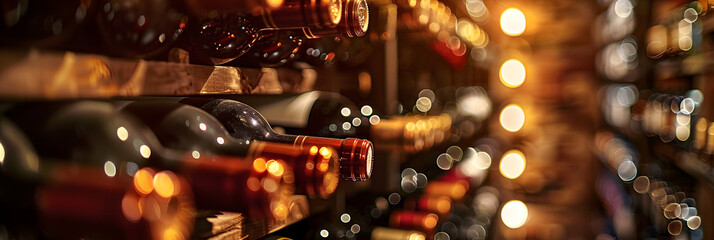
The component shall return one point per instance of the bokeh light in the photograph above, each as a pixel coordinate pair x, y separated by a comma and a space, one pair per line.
513, 163
514, 214
513, 22
512, 118
512, 73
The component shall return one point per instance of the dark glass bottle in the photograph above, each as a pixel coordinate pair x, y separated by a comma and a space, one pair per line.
244, 122
333, 115
140, 29
202, 7
319, 113
299, 14
276, 48
414, 220
221, 38
96, 133
43, 23
272, 49
188, 128
72, 201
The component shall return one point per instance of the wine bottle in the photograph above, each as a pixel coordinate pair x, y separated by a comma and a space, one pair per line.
414, 220
244, 122
333, 115
300, 13
276, 48
140, 29
221, 38
85, 202
320, 113
454, 190
383, 233
95, 133
188, 128
67, 200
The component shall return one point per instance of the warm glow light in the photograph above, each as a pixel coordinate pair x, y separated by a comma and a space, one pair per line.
513, 22
253, 184
269, 185
356, 122
345, 111
274, 3
366, 110
313, 150
164, 184
430, 221
512, 118
145, 151
330, 182
220, 140
172, 234
110, 169
694, 222
345, 218
374, 120
682, 132
274, 168
2, 154
325, 152
513, 163
514, 214
259, 165
130, 208
280, 211
323, 165
512, 73
423, 104
443, 204
144, 181
122, 133
202, 126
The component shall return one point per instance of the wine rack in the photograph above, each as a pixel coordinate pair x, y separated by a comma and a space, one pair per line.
356, 119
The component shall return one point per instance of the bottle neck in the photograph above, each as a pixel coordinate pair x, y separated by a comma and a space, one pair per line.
240, 120
316, 168
254, 186
300, 13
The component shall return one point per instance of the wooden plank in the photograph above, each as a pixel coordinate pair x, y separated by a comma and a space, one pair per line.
36, 74
229, 225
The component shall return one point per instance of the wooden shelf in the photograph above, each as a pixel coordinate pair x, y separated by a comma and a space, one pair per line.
230, 225
37, 74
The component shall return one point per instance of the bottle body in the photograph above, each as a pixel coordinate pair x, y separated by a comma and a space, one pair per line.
79, 201
192, 130
244, 122
97, 134
140, 29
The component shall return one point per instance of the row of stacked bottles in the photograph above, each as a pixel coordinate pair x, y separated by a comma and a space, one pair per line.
213, 32
222, 165
182, 153
654, 101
